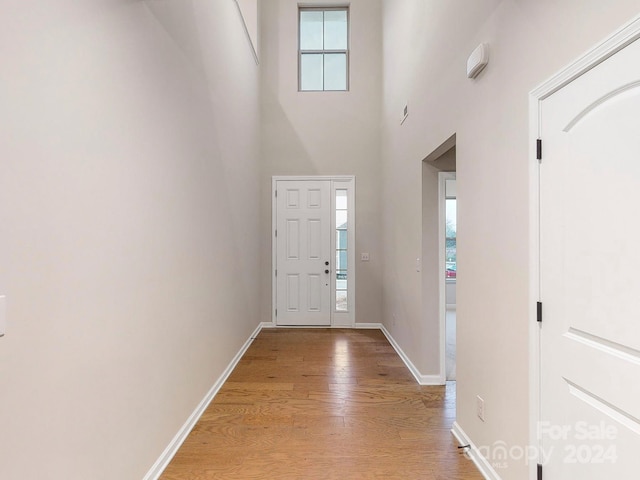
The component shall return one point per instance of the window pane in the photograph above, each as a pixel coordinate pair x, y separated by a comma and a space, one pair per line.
341, 279
450, 250
335, 30
335, 71
450, 241
450, 215
451, 271
311, 72
341, 250
341, 260
341, 301
311, 30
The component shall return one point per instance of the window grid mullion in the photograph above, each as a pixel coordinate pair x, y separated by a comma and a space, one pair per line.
323, 51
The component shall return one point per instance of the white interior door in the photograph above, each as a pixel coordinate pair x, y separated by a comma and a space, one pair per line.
590, 274
303, 265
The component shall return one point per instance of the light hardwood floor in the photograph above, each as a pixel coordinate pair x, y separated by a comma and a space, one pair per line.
324, 404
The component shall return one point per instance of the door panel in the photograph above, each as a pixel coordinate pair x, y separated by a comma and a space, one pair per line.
303, 293
315, 239
293, 239
293, 293
589, 273
314, 197
315, 293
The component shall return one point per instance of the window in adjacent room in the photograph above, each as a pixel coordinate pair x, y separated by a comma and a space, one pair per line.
451, 230
323, 49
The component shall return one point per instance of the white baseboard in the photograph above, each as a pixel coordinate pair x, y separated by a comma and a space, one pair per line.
368, 326
420, 378
169, 452
173, 447
484, 467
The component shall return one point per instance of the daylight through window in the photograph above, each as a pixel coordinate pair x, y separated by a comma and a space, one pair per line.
451, 231
342, 232
323, 48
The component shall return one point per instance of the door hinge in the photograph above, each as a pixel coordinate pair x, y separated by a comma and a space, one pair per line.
539, 149
276, 193
276, 272
539, 471
539, 312
276, 233
276, 312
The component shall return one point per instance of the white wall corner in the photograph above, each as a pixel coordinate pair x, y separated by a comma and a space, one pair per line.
177, 441
420, 378
248, 10
474, 454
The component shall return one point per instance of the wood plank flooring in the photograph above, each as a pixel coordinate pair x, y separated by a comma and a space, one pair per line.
324, 404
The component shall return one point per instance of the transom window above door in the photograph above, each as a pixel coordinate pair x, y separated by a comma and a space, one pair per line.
323, 49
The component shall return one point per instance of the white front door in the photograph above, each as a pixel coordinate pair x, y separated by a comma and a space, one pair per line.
303, 265
590, 274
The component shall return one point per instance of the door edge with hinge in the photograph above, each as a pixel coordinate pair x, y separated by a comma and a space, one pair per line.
619, 39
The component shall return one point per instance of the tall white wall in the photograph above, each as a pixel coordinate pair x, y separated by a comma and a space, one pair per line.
128, 226
325, 133
426, 45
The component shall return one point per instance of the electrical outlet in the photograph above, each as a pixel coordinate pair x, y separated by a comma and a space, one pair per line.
480, 407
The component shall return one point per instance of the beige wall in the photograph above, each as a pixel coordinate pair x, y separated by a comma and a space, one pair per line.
426, 45
324, 133
128, 227
135, 210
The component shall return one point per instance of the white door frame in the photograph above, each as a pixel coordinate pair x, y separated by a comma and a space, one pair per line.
616, 42
442, 262
348, 182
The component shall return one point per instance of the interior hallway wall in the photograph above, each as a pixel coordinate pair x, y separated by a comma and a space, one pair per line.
128, 226
426, 45
324, 133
